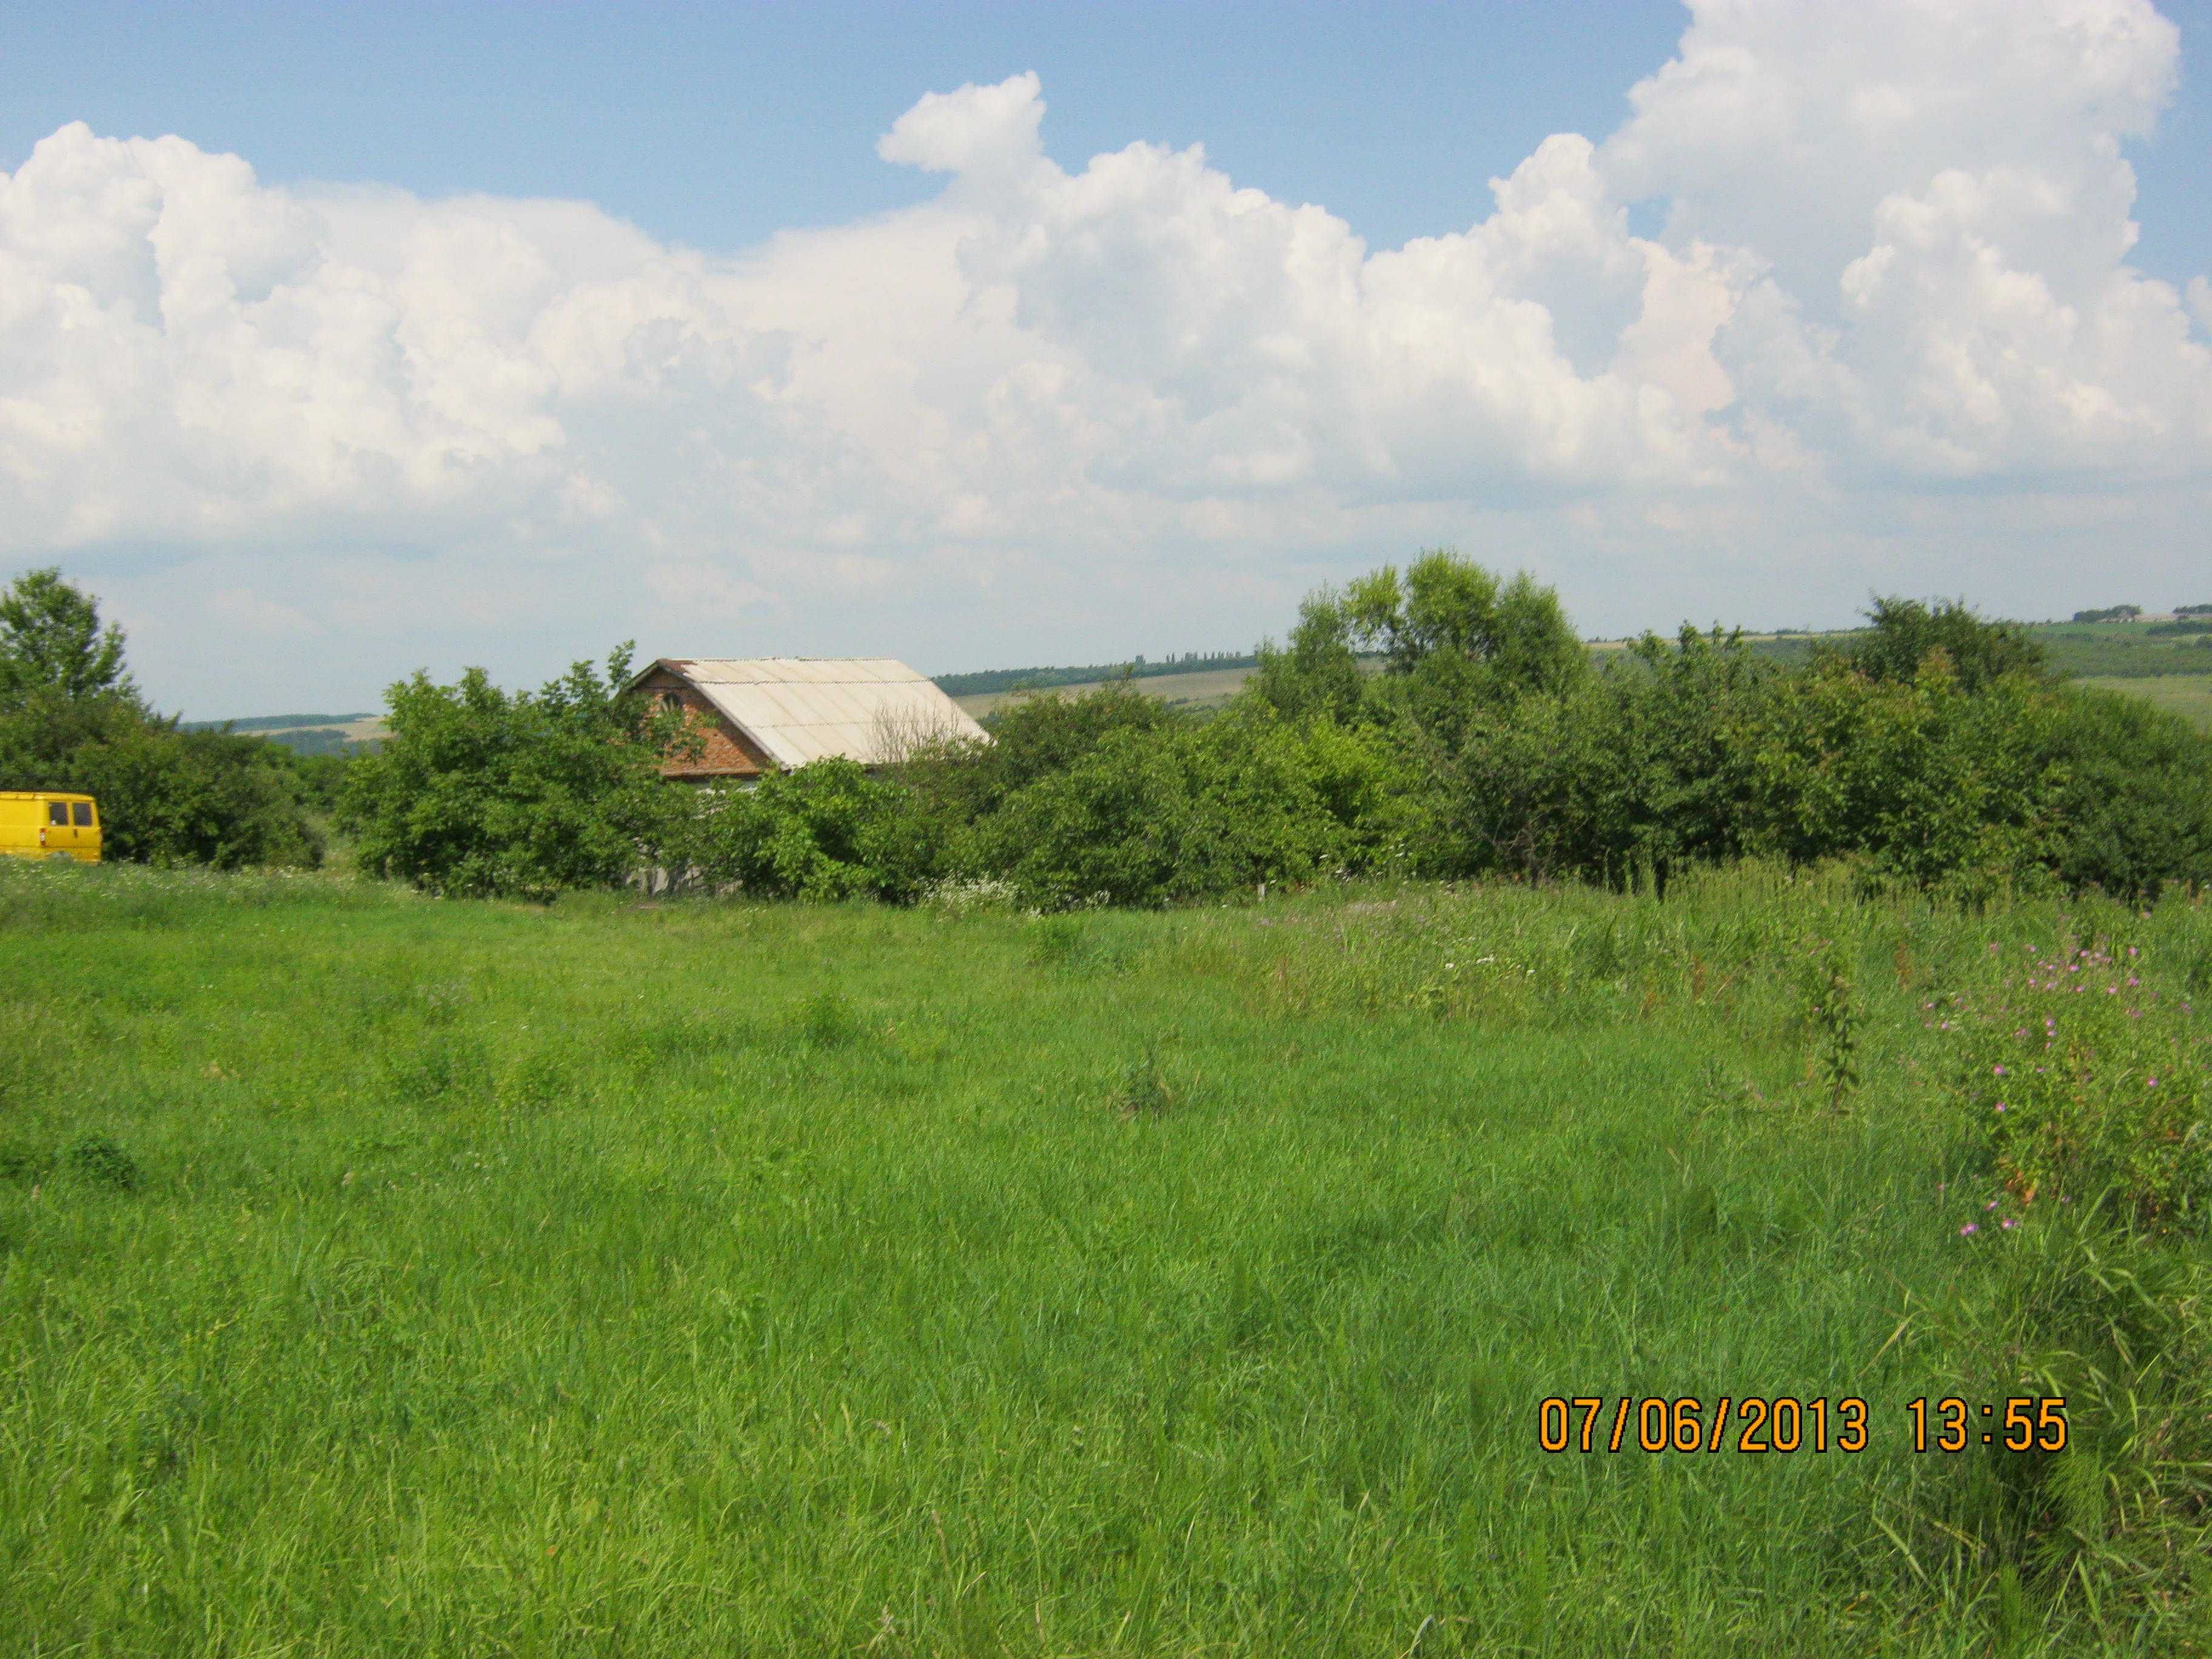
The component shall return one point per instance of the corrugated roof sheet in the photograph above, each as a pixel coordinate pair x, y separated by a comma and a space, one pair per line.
804, 708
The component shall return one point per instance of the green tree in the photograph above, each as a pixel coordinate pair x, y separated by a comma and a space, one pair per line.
1448, 610
71, 719
1641, 767
51, 639
823, 831
1903, 632
1453, 639
1318, 673
478, 792
166, 796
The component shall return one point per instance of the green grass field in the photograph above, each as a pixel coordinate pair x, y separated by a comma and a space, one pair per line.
2187, 696
709, 1278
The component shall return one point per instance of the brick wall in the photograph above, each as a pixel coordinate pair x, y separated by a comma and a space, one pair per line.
726, 754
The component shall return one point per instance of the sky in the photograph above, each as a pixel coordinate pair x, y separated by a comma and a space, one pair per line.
339, 343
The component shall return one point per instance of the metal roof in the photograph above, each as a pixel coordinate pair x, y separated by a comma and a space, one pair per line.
804, 709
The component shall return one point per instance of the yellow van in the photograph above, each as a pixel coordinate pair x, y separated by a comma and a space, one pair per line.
35, 825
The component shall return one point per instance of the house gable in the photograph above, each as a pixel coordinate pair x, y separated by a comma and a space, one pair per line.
728, 753
773, 714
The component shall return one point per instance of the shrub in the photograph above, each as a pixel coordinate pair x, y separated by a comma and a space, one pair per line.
1649, 765
166, 796
99, 1162
1113, 827
22, 1162
1903, 633
826, 1020
2083, 1080
2078, 1306
1143, 1090
825, 831
479, 793
2133, 803
71, 719
2089, 1084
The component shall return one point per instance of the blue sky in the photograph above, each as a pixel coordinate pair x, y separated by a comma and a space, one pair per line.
970, 400
718, 126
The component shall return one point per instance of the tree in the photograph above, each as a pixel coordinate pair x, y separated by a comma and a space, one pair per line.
166, 796
1318, 674
1904, 631
477, 792
1450, 609
71, 719
51, 639
1452, 637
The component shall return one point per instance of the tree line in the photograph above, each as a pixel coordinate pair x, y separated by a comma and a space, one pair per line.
72, 719
1436, 722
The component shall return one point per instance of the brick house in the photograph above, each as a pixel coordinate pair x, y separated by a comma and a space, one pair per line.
773, 714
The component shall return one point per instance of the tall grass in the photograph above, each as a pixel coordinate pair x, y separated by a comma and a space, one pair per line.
717, 1279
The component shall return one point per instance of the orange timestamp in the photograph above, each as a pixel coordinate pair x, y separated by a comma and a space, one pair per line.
2029, 1423
1776, 1423
1783, 1423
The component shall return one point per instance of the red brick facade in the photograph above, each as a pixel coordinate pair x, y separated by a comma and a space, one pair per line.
727, 754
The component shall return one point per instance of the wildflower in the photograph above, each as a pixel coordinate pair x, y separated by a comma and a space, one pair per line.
2150, 1082
1991, 1205
2001, 1105
1997, 1071
2011, 1221
1971, 1227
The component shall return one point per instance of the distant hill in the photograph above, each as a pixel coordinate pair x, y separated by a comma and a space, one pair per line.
276, 722
305, 734
1024, 679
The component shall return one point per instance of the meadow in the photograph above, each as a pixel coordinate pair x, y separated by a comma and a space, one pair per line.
2187, 696
388, 1275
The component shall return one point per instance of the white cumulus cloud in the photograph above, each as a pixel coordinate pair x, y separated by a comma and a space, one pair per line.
307, 436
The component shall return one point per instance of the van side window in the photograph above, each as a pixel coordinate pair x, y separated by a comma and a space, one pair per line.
57, 812
82, 811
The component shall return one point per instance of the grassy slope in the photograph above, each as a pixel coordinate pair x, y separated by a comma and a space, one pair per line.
2189, 697
717, 1279
1207, 689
